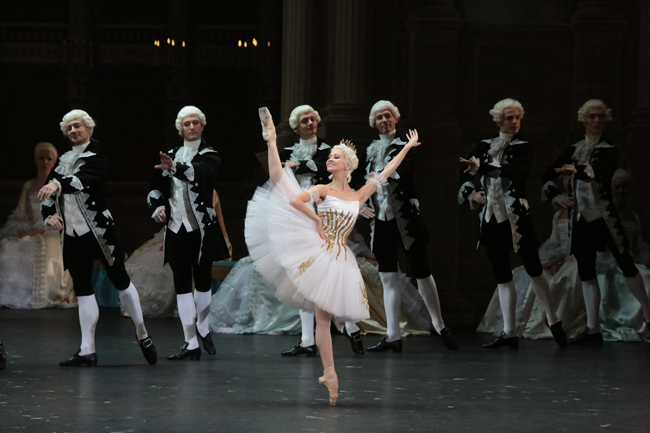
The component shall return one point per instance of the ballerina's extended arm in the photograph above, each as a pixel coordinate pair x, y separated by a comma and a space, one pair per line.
371, 187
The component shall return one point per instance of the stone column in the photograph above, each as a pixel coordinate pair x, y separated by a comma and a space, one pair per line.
432, 70
638, 132
79, 53
346, 114
177, 79
599, 27
297, 18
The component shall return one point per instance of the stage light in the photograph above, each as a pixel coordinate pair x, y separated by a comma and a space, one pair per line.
245, 44
254, 41
173, 44
239, 43
268, 44
168, 41
183, 44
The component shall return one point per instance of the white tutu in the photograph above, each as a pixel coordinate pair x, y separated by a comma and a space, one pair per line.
288, 252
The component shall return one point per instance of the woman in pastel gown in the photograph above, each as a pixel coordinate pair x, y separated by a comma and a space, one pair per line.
31, 263
303, 253
620, 315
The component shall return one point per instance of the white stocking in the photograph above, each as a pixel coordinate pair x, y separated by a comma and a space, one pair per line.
429, 292
637, 287
591, 294
202, 301
508, 301
88, 317
351, 328
392, 304
307, 322
543, 293
187, 313
130, 301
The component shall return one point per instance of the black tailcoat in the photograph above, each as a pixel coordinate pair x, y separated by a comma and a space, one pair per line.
86, 184
200, 176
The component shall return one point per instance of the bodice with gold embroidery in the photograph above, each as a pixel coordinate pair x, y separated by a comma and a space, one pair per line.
338, 217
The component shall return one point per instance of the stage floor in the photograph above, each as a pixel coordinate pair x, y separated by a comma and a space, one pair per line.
248, 387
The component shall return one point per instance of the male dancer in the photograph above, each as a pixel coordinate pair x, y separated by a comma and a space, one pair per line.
595, 225
308, 160
494, 181
397, 223
73, 202
181, 194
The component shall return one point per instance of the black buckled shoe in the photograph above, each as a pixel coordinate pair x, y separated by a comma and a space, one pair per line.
355, 342
501, 341
585, 337
208, 345
3, 357
184, 353
301, 350
448, 342
558, 333
148, 350
384, 346
77, 360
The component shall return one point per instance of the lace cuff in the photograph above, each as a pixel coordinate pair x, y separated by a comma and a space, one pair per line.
378, 180
170, 172
315, 195
478, 163
154, 215
153, 195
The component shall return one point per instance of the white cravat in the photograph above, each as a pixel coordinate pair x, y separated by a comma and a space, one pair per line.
586, 192
181, 208
305, 150
75, 223
379, 162
496, 203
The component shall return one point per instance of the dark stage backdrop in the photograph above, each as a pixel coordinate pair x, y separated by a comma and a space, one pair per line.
444, 63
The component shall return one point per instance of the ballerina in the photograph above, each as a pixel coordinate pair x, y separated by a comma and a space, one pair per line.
304, 253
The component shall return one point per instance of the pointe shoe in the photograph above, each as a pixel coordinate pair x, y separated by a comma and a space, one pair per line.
299, 349
447, 341
148, 349
585, 337
355, 341
384, 346
332, 385
208, 345
558, 333
77, 360
501, 341
3, 357
268, 128
184, 353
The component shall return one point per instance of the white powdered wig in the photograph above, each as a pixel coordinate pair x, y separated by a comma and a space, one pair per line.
45, 146
294, 117
592, 103
188, 110
381, 106
622, 174
77, 114
500, 107
350, 158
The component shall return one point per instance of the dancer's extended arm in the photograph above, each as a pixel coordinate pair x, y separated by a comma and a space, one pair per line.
299, 202
370, 188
